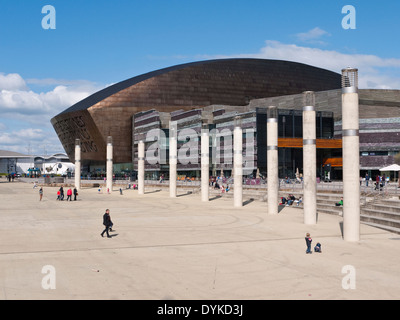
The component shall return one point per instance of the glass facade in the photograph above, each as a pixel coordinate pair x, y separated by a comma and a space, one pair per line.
189, 124
290, 124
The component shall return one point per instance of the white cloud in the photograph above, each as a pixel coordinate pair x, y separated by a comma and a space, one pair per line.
34, 140
51, 102
16, 137
27, 113
12, 81
312, 36
373, 70
58, 82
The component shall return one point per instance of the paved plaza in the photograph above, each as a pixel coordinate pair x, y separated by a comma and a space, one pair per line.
182, 248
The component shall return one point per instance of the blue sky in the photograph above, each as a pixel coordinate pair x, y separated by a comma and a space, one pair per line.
97, 43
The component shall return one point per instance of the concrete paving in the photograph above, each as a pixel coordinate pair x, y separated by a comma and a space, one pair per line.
182, 248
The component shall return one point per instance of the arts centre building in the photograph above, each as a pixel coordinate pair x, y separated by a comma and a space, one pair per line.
215, 94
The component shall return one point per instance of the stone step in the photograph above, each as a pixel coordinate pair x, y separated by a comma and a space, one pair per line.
380, 213
389, 202
329, 197
329, 211
383, 207
330, 206
327, 202
387, 222
383, 227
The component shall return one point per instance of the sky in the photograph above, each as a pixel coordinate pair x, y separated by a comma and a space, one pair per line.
49, 60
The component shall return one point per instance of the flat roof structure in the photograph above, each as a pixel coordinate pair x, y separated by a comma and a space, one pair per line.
12, 154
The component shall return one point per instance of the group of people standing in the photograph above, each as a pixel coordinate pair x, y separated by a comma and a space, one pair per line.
60, 194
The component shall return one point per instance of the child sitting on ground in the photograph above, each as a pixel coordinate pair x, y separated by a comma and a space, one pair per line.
317, 248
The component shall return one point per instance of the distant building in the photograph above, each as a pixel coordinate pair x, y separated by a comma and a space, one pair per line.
18, 163
13, 162
58, 163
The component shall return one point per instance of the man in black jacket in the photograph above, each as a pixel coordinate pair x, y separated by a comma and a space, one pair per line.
107, 223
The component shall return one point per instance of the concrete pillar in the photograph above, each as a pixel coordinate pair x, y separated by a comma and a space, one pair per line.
77, 164
238, 164
141, 167
351, 155
272, 160
309, 159
109, 173
205, 163
173, 158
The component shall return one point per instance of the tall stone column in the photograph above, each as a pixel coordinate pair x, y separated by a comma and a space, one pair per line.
309, 159
77, 164
238, 163
141, 167
109, 173
205, 163
173, 158
272, 160
351, 155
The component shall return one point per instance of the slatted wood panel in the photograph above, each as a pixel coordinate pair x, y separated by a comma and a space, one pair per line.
334, 162
298, 143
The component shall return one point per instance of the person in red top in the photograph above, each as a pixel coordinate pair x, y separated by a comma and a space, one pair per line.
69, 194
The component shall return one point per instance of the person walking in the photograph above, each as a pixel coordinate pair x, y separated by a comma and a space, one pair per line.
62, 193
75, 193
107, 223
40, 194
69, 194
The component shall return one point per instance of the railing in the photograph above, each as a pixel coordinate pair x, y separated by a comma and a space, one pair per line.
291, 185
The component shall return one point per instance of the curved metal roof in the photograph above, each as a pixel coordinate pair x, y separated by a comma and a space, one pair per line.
108, 91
